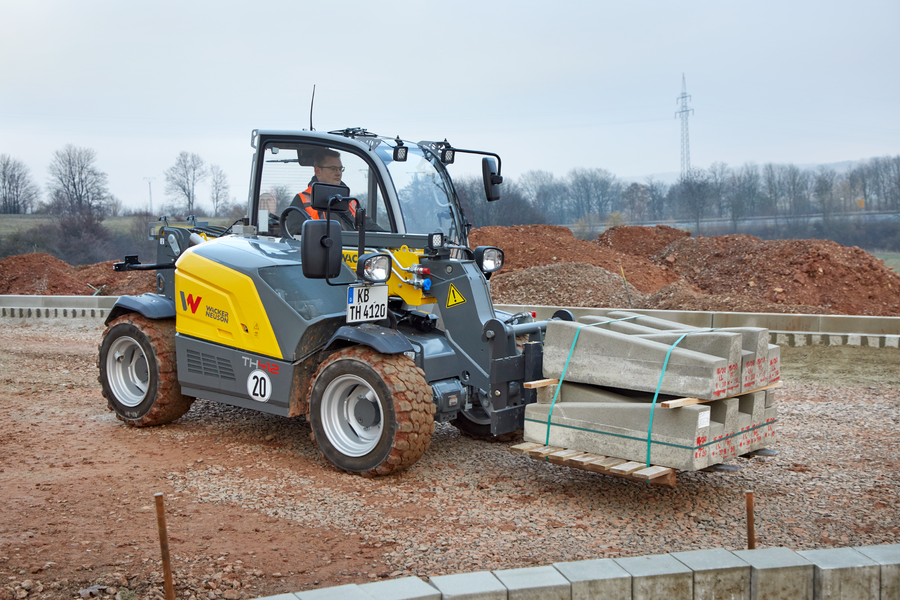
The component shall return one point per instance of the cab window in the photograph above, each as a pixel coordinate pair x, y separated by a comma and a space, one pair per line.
289, 169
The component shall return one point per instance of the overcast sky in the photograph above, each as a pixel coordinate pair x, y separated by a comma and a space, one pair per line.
547, 85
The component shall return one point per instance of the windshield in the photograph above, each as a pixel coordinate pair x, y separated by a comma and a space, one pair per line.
424, 192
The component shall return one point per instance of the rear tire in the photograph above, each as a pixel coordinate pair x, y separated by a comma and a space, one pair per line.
371, 413
138, 374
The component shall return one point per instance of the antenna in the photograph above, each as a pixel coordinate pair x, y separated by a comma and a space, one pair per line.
685, 140
311, 102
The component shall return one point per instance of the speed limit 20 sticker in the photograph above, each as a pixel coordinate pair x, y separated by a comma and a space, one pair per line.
259, 386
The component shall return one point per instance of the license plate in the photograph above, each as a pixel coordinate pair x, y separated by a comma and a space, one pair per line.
366, 303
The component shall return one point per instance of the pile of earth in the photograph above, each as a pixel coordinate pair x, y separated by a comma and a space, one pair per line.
44, 275
665, 268
526, 246
565, 284
820, 273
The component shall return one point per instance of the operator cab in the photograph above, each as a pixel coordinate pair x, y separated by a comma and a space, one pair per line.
404, 187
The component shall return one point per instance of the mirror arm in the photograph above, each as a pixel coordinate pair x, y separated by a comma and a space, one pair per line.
483, 153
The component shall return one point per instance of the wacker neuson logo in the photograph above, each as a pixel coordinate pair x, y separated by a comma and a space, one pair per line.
215, 313
190, 301
212, 313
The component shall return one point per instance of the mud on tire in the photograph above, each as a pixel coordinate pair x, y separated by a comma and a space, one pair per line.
370, 413
138, 374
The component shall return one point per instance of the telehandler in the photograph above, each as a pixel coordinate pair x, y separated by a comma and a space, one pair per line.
374, 321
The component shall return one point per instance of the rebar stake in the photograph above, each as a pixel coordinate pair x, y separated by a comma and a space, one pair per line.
164, 545
751, 528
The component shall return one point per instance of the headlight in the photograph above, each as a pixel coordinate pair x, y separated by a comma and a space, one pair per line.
489, 259
375, 268
435, 241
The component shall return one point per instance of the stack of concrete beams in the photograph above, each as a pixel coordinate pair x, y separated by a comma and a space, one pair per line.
604, 404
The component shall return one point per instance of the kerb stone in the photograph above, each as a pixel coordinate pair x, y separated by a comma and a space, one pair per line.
405, 588
778, 574
658, 576
341, 592
482, 585
888, 556
601, 578
717, 574
535, 583
844, 573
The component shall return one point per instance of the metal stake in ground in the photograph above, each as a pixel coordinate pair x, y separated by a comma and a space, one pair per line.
164, 545
751, 529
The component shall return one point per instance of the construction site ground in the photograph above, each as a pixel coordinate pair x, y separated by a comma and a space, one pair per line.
253, 510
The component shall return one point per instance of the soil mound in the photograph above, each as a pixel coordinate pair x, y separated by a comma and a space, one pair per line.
640, 241
41, 274
682, 296
528, 246
566, 284
800, 272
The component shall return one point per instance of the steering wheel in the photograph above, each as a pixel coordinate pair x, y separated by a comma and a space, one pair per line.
283, 220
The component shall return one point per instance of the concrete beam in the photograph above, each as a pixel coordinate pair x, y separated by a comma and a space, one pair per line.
620, 431
617, 360
592, 579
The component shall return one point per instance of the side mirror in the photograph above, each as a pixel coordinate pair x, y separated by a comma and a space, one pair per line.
320, 249
492, 180
322, 194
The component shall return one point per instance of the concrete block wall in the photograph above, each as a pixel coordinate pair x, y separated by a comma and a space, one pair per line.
783, 329
861, 573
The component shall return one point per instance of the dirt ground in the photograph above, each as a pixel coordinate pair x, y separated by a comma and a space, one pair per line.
77, 513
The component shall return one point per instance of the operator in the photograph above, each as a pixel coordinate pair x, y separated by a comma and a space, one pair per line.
328, 169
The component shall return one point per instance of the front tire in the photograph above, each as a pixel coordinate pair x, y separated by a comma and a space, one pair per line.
138, 374
371, 413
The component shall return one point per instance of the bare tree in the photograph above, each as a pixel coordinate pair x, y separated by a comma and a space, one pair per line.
18, 193
636, 198
719, 182
743, 193
76, 186
656, 198
182, 178
218, 188
694, 194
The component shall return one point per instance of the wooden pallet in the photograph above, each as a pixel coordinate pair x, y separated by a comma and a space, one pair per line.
617, 467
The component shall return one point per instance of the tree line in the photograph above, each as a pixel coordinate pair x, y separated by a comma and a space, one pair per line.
77, 198
76, 186
797, 202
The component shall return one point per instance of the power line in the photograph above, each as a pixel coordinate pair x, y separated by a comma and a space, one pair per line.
685, 138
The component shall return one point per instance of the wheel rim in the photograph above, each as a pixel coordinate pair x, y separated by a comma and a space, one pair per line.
127, 371
339, 420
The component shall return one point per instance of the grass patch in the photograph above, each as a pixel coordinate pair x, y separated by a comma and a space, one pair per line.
10, 224
891, 260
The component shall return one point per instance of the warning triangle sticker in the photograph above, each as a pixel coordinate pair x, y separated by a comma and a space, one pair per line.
454, 298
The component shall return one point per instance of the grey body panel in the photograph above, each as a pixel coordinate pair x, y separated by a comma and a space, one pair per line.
220, 373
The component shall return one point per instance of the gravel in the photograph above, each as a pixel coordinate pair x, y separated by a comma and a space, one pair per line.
469, 505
